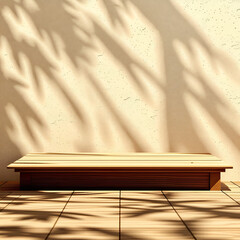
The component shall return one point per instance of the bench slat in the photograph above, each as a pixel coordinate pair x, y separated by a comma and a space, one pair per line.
122, 156
111, 160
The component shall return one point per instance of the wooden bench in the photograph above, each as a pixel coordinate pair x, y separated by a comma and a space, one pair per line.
119, 171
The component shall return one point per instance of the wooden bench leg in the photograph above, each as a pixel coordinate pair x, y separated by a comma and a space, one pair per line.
215, 183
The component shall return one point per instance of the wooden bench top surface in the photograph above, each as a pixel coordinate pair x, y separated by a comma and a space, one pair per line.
118, 160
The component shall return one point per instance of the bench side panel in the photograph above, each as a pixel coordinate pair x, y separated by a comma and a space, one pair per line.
115, 180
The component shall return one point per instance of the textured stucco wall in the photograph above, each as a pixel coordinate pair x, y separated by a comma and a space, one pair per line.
120, 76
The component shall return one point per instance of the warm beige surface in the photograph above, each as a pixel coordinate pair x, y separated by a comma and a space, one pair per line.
127, 215
94, 214
137, 160
209, 216
148, 215
119, 76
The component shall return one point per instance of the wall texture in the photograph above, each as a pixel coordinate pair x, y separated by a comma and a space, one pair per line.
120, 76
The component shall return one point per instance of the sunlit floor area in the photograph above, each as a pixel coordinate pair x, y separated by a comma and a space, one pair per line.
142, 215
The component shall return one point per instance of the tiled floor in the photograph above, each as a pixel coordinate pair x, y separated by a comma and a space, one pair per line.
142, 215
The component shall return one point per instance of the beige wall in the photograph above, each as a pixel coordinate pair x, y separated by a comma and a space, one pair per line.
117, 76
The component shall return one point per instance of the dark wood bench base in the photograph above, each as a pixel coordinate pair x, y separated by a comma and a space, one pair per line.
120, 180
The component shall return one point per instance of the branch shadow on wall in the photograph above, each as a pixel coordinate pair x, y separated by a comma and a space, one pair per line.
182, 132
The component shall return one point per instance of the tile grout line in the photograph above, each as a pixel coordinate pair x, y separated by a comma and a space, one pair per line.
6, 194
230, 197
119, 211
9, 202
189, 230
59, 215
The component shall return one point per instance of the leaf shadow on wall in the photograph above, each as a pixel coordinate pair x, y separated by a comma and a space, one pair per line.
11, 96
38, 61
52, 20
49, 20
